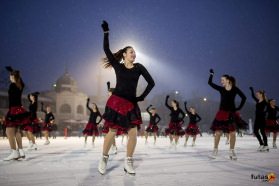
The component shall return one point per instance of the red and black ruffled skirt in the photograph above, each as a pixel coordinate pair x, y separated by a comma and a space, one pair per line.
227, 121
121, 114
152, 128
17, 116
33, 126
47, 127
175, 128
119, 131
271, 125
192, 129
91, 129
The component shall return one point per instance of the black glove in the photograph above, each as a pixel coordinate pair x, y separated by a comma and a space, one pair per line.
251, 88
185, 103
88, 99
9, 69
42, 103
105, 26
211, 71
150, 105
167, 96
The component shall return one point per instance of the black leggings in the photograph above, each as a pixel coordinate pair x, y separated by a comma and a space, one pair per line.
260, 126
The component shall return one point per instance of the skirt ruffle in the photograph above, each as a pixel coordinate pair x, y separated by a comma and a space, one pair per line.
175, 128
17, 116
152, 128
91, 129
192, 129
271, 125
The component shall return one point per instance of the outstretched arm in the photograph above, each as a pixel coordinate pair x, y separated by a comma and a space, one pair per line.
253, 94
210, 81
87, 105
187, 111
107, 50
166, 102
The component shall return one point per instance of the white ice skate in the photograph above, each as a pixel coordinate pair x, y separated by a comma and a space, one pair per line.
30, 145
227, 142
193, 144
214, 154
129, 166
265, 149
34, 146
47, 142
274, 146
21, 153
13, 156
232, 155
114, 150
103, 164
260, 148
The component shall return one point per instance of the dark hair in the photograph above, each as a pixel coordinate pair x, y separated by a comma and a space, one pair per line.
262, 92
18, 81
118, 56
97, 109
231, 79
176, 102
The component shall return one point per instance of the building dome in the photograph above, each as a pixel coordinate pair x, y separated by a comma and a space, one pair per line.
65, 83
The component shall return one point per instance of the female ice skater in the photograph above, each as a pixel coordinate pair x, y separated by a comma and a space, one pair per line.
259, 124
153, 123
272, 124
32, 127
49, 120
227, 118
91, 128
16, 116
174, 129
122, 110
192, 128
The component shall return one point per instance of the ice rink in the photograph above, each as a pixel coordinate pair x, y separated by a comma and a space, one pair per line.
66, 162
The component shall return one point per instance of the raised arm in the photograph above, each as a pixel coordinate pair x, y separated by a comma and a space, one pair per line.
253, 94
243, 99
87, 105
210, 81
166, 102
107, 50
185, 105
147, 109
42, 108
148, 79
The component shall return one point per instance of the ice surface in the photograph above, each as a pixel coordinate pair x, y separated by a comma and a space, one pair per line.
66, 162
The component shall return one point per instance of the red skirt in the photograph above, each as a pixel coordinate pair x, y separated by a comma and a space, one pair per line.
271, 125
175, 128
119, 131
91, 129
192, 129
228, 122
121, 114
17, 116
152, 128
47, 127
33, 126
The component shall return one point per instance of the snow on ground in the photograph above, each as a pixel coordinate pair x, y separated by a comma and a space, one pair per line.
66, 162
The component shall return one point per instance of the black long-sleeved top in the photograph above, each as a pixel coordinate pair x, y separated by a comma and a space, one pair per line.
228, 96
15, 95
193, 118
48, 116
176, 115
260, 106
272, 113
33, 108
127, 79
154, 119
93, 115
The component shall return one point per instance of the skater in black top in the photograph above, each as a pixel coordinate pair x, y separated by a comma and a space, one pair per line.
192, 128
227, 119
16, 117
259, 124
122, 111
153, 123
174, 129
272, 124
91, 128
33, 127
49, 120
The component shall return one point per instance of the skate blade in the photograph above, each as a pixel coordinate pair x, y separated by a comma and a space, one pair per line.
132, 174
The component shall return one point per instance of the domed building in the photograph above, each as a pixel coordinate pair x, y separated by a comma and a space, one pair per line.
70, 104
